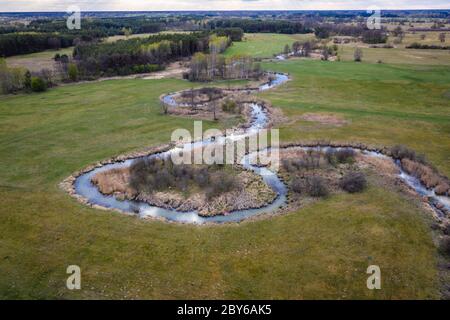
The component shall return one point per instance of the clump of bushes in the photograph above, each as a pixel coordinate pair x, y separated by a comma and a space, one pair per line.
297, 185
147, 68
418, 166
220, 183
153, 174
311, 160
446, 229
358, 54
229, 106
344, 155
72, 72
401, 152
38, 84
444, 245
416, 45
314, 186
353, 182
211, 92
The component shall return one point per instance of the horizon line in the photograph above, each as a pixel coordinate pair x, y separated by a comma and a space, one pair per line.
230, 10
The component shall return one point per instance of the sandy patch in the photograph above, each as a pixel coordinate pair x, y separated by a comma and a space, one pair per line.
173, 70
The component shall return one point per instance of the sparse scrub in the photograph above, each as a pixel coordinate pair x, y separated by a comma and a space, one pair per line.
446, 229
229, 106
311, 160
358, 54
297, 185
353, 182
38, 84
444, 245
316, 187
220, 182
149, 175
401, 152
345, 155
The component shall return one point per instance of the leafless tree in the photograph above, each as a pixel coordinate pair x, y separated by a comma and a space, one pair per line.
358, 55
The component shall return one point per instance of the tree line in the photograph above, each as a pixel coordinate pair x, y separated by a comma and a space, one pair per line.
137, 55
207, 67
44, 34
324, 31
22, 43
102, 26
260, 25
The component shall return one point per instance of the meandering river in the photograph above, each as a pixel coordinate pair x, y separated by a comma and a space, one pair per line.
85, 188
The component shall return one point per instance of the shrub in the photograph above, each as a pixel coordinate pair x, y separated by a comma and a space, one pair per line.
152, 174
38, 84
358, 55
220, 183
330, 155
11, 79
345, 155
229, 106
444, 245
73, 72
316, 187
401, 152
287, 165
202, 178
27, 80
297, 185
446, 229
353, 182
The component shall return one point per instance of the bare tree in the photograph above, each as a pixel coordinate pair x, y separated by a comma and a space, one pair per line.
192, 96
213, 105
358, 55
325, 54
164, 107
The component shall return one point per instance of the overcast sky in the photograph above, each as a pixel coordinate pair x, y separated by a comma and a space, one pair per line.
163, 5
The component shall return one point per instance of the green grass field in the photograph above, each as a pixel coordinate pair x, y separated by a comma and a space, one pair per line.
319, 251
397, 55
265, 45
386, 104
38, 60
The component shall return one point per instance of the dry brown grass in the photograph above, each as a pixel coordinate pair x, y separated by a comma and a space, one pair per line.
429, 177
113, 181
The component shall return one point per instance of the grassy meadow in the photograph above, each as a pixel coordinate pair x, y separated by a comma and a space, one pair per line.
321, 250
398, 55
265, 45
383, 104
38, 60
